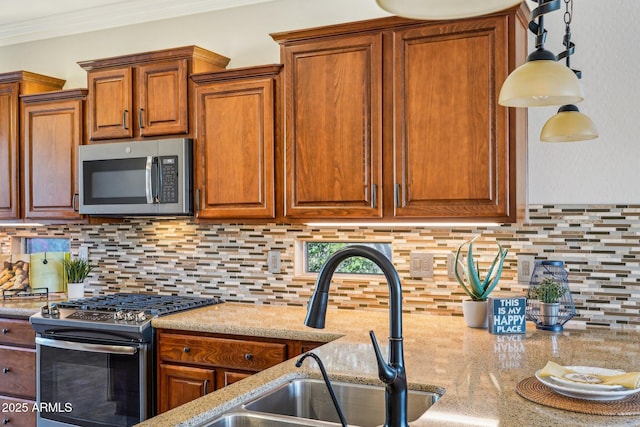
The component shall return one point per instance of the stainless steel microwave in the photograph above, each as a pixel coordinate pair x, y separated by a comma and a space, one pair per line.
137, 178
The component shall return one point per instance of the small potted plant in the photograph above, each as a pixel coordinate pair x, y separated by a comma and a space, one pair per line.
76, 271
549, 292
474, 310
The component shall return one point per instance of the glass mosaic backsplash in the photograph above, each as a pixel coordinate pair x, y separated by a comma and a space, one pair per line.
600, 246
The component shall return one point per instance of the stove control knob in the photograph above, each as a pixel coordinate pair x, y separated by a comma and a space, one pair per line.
140, 316
54, 311
130, 316
118, 315
44, 310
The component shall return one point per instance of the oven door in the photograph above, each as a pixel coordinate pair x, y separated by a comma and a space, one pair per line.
86, 384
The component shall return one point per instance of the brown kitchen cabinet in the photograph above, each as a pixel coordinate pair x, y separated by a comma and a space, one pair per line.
234, 155
145, 94
53, 129
12, 86
17, 372
398, 119
192, 364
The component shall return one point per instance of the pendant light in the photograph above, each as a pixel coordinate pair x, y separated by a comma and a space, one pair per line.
569, 124
542, 80
444, 9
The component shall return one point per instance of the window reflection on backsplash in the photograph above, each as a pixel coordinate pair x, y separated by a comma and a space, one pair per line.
598, 244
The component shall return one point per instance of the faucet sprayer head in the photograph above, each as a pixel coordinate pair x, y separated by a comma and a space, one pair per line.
317, 310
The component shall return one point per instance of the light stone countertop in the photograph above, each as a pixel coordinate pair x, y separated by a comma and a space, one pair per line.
25, 307
477, 371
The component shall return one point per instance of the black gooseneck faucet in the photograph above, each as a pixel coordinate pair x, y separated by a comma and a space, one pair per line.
392, 373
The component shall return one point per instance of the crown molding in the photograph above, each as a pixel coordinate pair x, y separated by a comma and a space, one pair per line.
110, 16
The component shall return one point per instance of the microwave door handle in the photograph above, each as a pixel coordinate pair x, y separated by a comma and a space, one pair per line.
148, 183
93, 348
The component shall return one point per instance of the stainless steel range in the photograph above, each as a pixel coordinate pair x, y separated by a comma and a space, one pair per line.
95, 358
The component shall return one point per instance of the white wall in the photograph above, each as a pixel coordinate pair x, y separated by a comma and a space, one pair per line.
599, 171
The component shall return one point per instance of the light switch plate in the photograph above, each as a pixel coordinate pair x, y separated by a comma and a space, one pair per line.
451, 266
83, 253
421, 265
525, 267
273, 262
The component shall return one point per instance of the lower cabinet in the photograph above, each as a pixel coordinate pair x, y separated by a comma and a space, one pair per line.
17, 373
191, 365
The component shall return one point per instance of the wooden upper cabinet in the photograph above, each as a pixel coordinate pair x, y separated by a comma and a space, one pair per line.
162, 98
53, 129
145, 94
453, 157
111, 107
234, 154
398, 119
333, 145
12, 85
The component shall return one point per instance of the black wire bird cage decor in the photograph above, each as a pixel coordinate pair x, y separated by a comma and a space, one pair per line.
549, 301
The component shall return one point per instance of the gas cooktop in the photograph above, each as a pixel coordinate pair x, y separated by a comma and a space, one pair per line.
154, 305
119, 312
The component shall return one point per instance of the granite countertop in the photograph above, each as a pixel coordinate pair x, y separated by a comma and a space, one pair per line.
477, 371
25, 307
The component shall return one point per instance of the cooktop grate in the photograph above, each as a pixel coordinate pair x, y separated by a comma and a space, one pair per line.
156, 305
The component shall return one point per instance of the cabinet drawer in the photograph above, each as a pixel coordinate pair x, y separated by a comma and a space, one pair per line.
17, 412
17, 332
227, 353
18, 371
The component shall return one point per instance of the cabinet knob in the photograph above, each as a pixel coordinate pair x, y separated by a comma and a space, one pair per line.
5, 331
187, 349
248, 356
5, 370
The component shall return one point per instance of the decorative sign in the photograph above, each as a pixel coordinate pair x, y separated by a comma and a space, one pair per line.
507, 315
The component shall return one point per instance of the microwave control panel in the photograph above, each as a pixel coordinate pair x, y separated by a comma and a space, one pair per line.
169, 179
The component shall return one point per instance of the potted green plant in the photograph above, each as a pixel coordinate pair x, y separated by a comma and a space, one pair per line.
549, 293
76, 271
477, 288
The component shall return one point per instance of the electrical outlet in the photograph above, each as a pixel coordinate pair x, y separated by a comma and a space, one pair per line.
273, 262
421, 265
525, 267
83, 253
451, 266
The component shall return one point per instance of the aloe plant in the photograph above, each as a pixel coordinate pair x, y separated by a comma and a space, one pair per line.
77, 269
472, 283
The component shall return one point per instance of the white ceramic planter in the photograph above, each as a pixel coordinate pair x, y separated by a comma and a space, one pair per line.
475, 313
75, 290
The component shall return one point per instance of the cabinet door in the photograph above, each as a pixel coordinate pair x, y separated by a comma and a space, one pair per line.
451, 137
18, 372
162, 98
110, 103
234, 156
182, 384
52, 135
333, 143
9, 185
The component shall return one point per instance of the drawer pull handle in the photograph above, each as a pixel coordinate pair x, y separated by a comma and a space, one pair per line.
187, 349
5, 370
206, 386
248, 356
5, 331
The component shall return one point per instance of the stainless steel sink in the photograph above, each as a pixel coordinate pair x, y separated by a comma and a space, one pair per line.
307, 402
242, 419
362, 405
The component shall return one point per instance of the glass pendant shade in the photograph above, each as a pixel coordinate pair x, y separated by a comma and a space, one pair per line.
539, 82
568, 125
444, 9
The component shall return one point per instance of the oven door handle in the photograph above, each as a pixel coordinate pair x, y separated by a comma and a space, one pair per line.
94, 348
